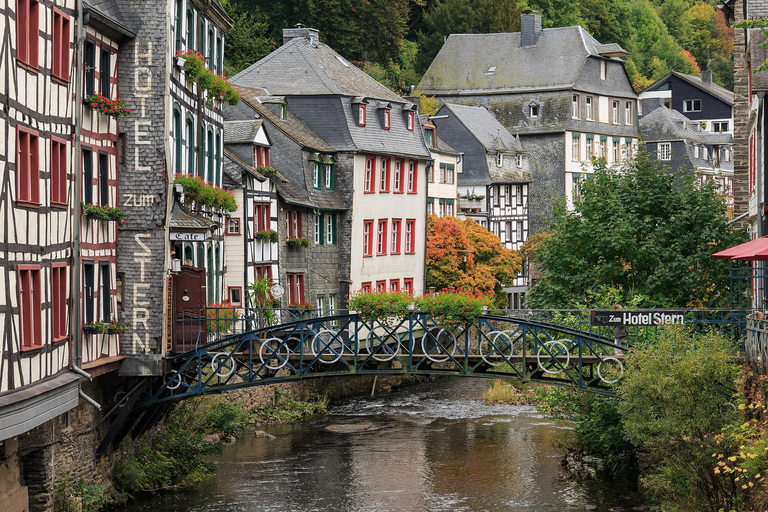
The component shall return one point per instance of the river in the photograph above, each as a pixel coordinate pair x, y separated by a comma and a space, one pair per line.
432, 447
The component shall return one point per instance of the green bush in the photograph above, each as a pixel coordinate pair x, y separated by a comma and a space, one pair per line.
79, 496
290, 410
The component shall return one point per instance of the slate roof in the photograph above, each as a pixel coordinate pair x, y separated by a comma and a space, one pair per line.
241, 132
105, 14
665, 124
181, 219
555, 61
292, 126
713, 89
299, 68
486, 129
292, 196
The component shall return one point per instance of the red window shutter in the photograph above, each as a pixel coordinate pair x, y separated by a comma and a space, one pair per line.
266, 157
22, 30
34, 32
301, 287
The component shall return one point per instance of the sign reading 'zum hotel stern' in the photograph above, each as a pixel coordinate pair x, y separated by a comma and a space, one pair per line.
639, 318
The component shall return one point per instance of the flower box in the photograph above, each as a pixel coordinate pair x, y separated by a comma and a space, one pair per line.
217, 86
268, 235
112, 108
297, 242
205, 194
95, 211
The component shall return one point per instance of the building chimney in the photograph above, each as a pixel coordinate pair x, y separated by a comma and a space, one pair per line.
706, 76
530, 28
300, 31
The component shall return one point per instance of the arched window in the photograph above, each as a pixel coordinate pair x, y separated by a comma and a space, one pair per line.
179, 22
211, 157
217, 162
211, 48
177, 139
190, 29
189, 254
190, 146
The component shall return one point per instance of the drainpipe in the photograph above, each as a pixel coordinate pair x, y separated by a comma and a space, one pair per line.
77, 322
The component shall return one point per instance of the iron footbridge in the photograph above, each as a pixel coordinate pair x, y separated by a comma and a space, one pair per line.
495, 347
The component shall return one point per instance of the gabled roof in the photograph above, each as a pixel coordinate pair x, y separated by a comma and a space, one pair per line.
292, 126
665, 124
300, 68
486, 129
471, 62
241, 132
715, 90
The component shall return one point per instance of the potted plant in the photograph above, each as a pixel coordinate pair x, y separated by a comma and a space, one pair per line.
95, 211
388, 308
268, 235
217, 86
94, 327
266, 170
197, 191
115, 326
298, 242
453, 309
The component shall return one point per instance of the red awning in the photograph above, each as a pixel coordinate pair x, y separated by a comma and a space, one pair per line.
754, 250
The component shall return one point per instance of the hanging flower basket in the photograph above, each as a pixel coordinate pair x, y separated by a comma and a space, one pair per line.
112, 108
268, 235
205, 194
217, 86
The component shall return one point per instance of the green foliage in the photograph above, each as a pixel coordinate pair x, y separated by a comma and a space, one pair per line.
290, 410
112, 108
674, 404
454, 308
79, 496
177, 454
642, 230
298, 242
268, 235
198, 191
218, 87
105, 212
248, 40
262, 301
503, 392
464, 17
386, 307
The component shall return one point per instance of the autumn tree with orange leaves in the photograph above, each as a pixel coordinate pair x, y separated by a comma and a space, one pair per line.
488, 263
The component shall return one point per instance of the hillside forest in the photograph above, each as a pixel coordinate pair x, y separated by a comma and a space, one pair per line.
395, 40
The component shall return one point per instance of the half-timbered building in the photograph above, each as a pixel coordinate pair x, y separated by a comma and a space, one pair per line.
442, 172
250, 235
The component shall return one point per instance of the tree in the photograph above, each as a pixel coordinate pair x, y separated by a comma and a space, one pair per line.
642, 229
488, 263
674, 405
248, 39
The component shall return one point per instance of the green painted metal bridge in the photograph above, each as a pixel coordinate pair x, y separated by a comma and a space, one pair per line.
557, 348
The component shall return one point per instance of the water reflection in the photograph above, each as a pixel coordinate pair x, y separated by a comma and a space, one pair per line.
433, 447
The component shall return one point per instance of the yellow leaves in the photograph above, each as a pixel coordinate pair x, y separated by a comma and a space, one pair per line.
717, 471
732, 459
742, 407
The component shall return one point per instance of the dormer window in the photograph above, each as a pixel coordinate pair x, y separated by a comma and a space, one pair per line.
361, 115
519, 160
386, 119
499, 160
533, 109
410, 121
603, 70
429, 137
283, 112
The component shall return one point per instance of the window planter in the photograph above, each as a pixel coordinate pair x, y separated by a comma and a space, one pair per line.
266, 170
198, 192
112, 108
95, 211
298, 242
217, 86
114, 326
268, 235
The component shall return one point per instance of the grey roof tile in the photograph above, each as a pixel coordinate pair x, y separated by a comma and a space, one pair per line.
664, 124
464, 61
714, 89
292, 196
183, 219
485, 128
298, 68
241, 132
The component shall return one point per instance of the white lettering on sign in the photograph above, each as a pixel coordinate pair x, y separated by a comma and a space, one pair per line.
140, 200
655, 318
143, 84
187, 237
140, 313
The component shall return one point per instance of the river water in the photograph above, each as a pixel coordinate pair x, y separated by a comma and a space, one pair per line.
431, 447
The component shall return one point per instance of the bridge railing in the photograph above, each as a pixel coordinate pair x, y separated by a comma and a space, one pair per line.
756, 344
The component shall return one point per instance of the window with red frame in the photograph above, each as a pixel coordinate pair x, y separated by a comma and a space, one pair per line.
27, 31
367, 238
398, 178
381, 286
58, 172
394, 285
410, 121
410, 236
361, 115
370, 175
30, 306
386, 119
261, 156
384, 175
408, 285
381, 238
413, 168
293, 224
365, 287
263, 271
58, 301
60, 45
28, 167
295, 288
262, 216
395, 245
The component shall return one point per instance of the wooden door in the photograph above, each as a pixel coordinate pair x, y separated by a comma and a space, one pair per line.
190, 316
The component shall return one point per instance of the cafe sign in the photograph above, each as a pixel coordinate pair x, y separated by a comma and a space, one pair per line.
636, 318
179, 236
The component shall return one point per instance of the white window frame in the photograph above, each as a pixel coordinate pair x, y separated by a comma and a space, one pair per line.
615, 111
519, 160
589, 107
329, 229
664, 151
690, 105
576, 106
628, 112
499, 159
575, 149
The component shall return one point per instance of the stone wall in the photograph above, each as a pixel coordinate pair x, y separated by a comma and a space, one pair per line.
740, 116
